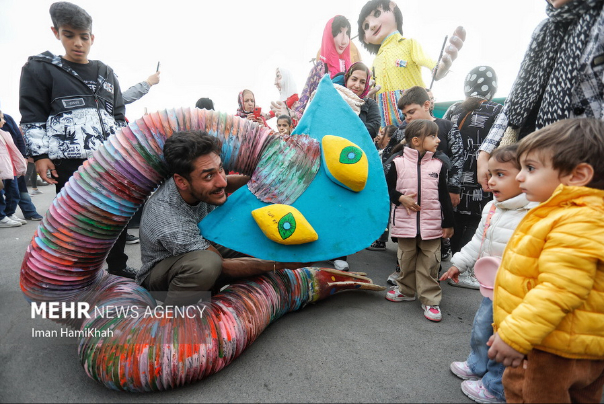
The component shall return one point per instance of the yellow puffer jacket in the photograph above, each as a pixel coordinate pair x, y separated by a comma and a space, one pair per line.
549, 290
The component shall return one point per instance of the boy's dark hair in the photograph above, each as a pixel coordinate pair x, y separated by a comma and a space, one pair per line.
570, 142
65, 13
286, 117
339, 22
507, 154
420, 128
414, 95
367, 9
205, 103
183, 148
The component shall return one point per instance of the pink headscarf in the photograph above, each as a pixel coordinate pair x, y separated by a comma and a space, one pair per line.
241, 110
330, 55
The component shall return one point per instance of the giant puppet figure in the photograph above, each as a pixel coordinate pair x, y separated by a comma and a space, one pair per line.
334, 58
398, 61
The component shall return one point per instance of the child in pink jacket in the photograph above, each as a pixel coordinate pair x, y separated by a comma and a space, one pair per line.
423, 213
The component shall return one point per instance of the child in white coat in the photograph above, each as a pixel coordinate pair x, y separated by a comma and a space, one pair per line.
482, 376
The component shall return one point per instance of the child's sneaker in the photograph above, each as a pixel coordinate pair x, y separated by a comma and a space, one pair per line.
467, 281
432, 313
395, 296
477, 392
394, 276
462, 370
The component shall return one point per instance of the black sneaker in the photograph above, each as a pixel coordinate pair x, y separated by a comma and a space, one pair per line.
445, 255
377, 246
127, 272
132, 239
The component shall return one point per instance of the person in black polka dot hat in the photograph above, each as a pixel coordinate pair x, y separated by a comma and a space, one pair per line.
474, 117
481, 83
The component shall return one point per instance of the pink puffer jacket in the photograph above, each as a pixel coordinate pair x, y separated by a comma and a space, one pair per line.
419, 177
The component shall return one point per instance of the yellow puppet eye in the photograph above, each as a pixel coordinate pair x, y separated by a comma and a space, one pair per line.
346, 163
284, 224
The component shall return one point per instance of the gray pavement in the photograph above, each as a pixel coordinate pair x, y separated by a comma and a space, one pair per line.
353, 347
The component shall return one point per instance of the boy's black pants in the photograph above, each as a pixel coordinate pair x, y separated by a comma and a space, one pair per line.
116, 260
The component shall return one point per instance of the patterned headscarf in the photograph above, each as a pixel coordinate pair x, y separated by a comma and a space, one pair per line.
542, 91
351, 70
481, 83
330, 55
241, 111
288, 86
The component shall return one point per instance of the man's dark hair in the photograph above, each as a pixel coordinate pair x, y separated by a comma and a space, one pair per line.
367, 9
205, 103
339, 22
414, 95
65, 13
183, 148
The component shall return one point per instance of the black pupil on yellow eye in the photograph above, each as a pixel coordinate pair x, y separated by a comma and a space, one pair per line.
350, 155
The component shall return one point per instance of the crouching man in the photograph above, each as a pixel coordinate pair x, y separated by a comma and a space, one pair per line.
179, 264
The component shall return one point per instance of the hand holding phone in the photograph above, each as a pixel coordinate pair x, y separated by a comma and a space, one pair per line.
257, 112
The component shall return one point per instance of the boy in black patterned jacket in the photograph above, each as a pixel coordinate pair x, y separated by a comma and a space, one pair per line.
69, 106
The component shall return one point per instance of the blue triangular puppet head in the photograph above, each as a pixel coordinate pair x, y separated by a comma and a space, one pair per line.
346, 212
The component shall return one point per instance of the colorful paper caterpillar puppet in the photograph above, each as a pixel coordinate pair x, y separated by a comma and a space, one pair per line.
138, 352
398, 60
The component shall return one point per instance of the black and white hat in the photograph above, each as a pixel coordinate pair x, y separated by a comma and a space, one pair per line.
481, 82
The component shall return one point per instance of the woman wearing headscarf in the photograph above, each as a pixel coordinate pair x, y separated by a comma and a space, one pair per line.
247, 104
357, 79
288, 95
474, 117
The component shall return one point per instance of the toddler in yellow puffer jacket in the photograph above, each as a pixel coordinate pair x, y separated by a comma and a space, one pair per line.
548, 306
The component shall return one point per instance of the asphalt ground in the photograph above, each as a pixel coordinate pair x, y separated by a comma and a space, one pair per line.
353, 347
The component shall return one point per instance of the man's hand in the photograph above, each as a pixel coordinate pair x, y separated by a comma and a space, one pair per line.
153, 79
503, 353
448, 232
43, 166
452, 273
455, 199
482, 170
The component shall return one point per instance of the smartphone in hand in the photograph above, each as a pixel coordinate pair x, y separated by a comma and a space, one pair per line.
156, 70
257, 112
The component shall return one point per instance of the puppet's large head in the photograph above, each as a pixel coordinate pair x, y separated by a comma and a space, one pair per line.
378, 19
335, 45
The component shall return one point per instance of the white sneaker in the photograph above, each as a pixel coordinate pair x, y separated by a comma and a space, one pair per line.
432, 313
14, 218
341, 265
7, 222
392, 278
466, 281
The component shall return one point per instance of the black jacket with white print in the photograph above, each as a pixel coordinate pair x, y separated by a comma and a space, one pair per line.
63, 118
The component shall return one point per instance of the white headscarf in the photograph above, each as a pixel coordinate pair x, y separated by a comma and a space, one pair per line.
288, 86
